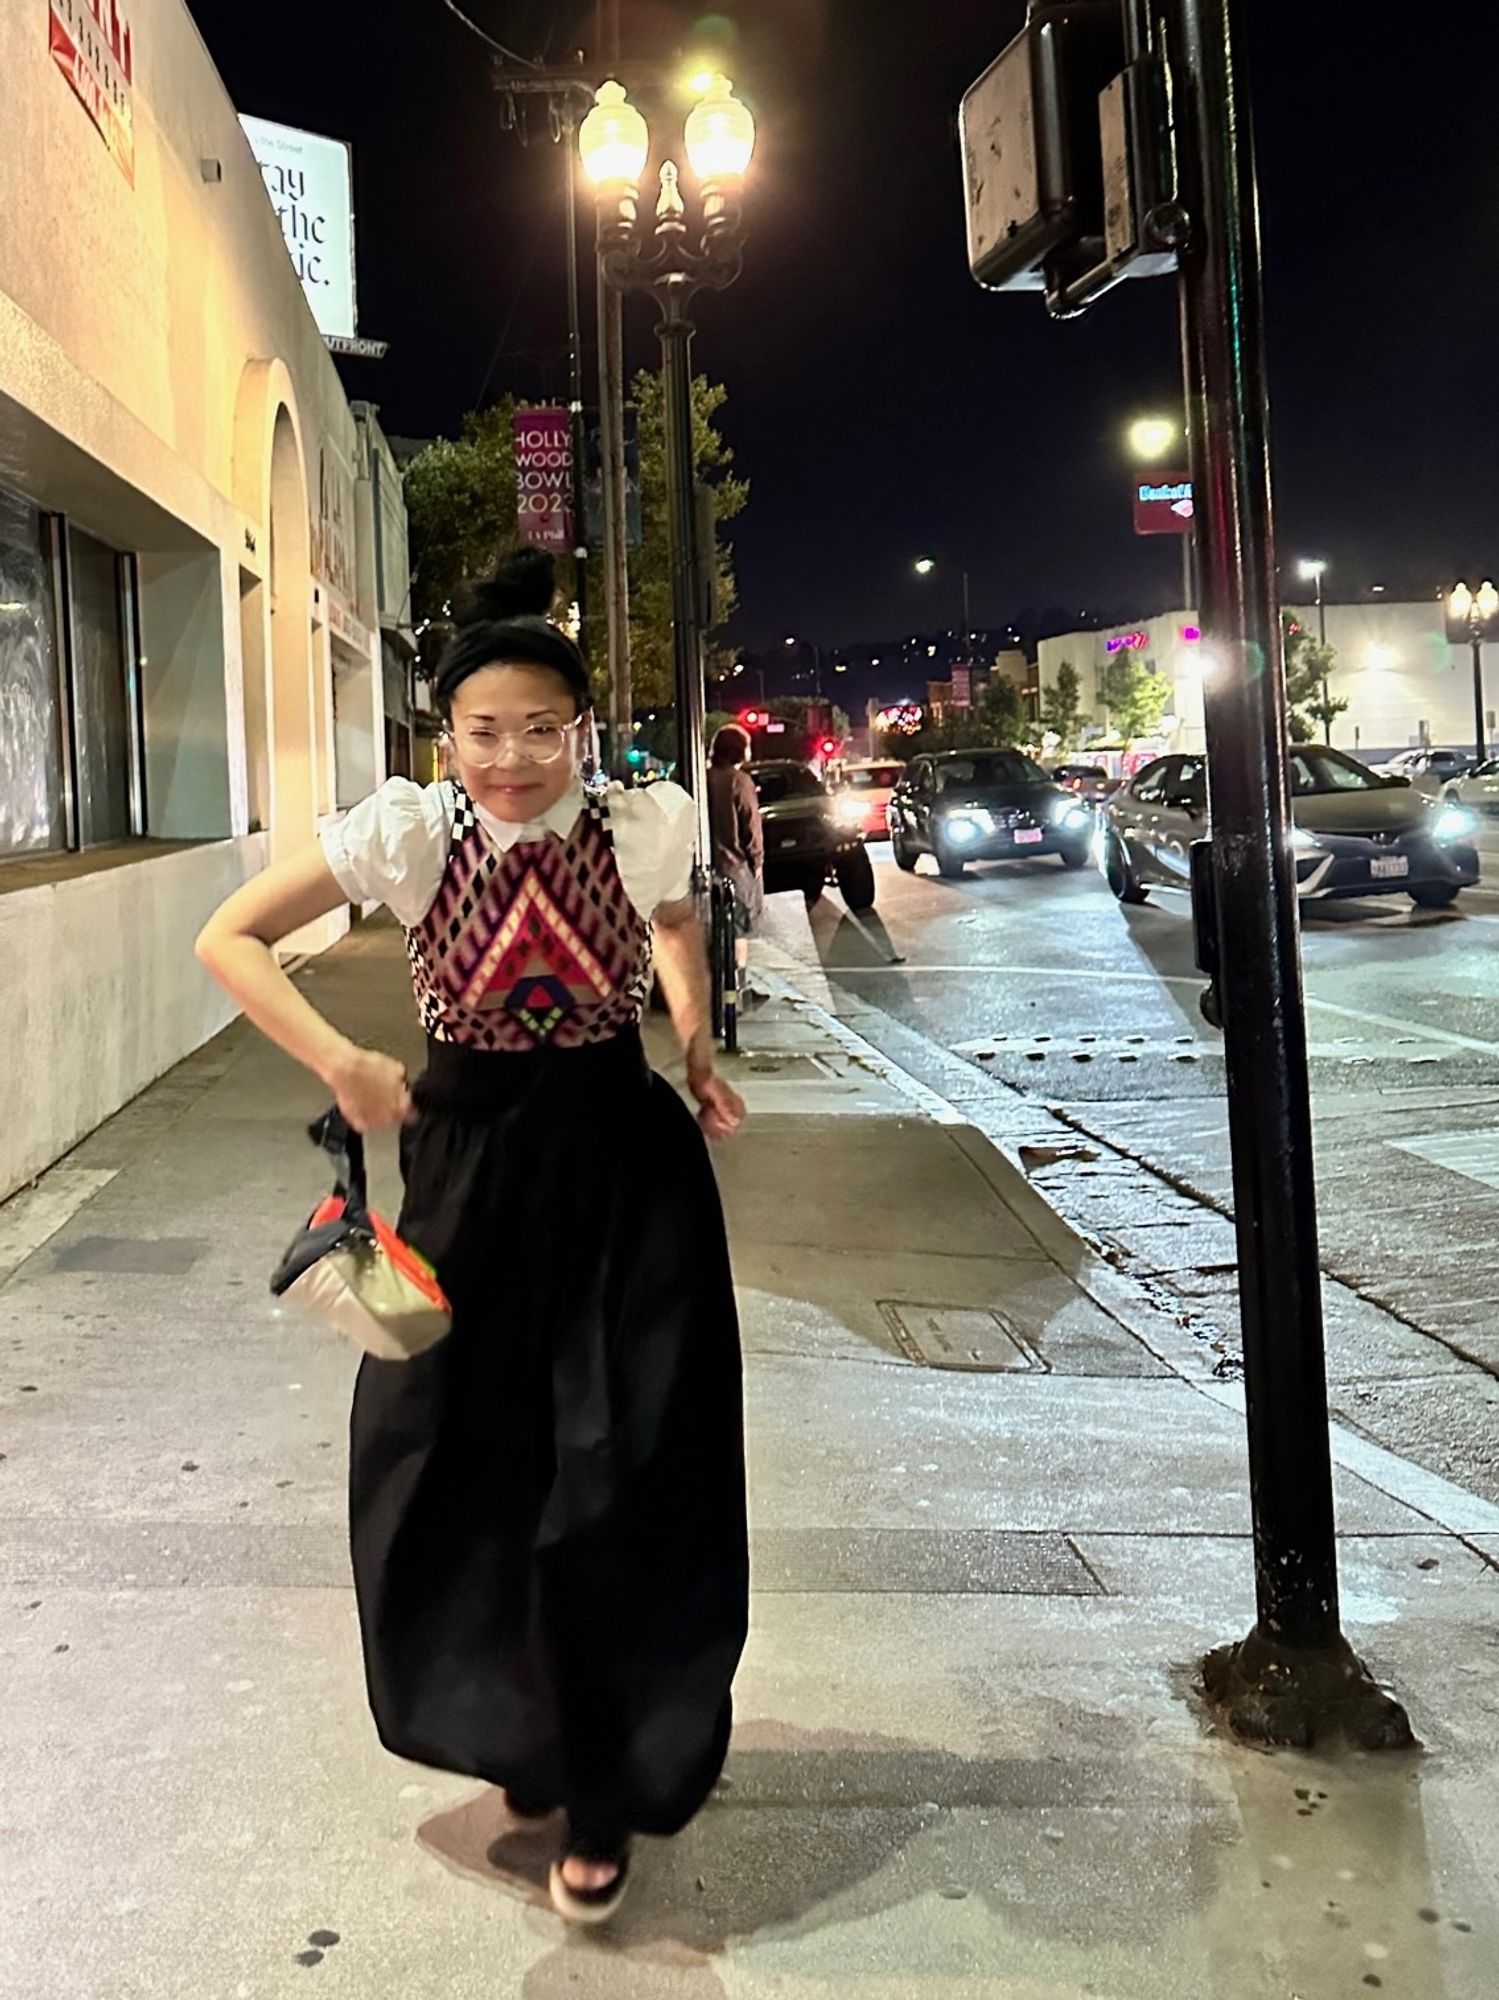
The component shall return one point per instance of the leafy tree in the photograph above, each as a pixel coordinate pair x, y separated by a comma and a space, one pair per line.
650, 564
460, 498
1061, 709
1310, 703
1134, 693
997, 722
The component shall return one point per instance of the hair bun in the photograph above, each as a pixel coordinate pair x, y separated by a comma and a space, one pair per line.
524, 585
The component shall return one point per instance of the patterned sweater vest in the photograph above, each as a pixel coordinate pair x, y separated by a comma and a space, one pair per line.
539, 947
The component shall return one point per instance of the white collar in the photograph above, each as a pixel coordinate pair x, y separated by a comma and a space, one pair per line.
508, 833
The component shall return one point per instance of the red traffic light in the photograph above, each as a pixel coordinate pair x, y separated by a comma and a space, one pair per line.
829, 746
752, 718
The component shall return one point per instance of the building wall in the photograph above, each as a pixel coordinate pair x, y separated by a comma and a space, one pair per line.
164, 386
1393, 666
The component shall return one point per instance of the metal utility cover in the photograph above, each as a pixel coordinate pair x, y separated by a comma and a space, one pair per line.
965, 1337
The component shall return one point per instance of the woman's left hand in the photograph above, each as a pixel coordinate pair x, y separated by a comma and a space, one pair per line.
721, 1108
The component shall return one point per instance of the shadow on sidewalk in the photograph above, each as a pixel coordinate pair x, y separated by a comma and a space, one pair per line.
819, 1828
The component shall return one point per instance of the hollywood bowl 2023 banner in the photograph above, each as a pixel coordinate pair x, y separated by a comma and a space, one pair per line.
544, 477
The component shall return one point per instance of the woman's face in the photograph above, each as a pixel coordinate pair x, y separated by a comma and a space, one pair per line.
515, 740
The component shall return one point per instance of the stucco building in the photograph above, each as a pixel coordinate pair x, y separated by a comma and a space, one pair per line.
198, 622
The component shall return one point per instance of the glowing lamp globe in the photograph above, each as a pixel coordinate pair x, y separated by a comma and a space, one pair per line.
720, 134
614, 141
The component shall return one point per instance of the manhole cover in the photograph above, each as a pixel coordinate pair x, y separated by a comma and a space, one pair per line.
788, 1069
959, 1337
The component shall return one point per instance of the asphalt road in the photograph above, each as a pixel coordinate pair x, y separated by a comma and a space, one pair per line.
1044, 984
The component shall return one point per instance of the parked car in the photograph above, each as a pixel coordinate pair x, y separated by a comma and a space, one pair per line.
985, 805
1089, 782
1356, 833
1478, 790
811, 835
1429, 771
873, 785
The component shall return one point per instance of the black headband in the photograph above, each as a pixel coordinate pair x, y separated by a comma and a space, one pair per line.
521, 641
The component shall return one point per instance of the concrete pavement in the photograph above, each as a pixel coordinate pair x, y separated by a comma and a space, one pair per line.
998, 1505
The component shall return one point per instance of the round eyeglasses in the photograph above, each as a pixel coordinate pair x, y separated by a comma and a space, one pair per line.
481, 745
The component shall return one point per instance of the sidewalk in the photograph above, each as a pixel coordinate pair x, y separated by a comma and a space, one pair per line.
967, 1760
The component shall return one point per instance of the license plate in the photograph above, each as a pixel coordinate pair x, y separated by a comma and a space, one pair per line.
1386, 867
1027, 836
790, 840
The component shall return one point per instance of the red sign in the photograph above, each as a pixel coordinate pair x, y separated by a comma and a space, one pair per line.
544, 477
962, 685
91, 44
1164, 506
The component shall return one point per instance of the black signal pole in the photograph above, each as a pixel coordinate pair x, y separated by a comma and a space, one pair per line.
1295, 1675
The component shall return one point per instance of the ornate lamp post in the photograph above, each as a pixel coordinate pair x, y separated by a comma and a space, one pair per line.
614, 143
1474, 616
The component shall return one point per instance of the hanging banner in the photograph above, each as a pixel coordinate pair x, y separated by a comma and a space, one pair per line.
962, 684
92, 45
544, 477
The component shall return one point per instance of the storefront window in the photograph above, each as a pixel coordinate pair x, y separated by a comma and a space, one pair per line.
33, 799
101, 692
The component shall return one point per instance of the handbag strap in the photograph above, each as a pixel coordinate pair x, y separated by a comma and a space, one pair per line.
345, 1148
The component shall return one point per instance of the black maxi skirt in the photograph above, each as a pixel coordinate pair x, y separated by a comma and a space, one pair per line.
548, 1508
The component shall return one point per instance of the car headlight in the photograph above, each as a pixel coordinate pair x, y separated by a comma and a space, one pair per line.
1452, 823
969, 826
848, 809
1302, 840
1071, 817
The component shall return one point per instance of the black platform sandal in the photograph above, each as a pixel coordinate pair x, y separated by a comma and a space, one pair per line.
591, 1906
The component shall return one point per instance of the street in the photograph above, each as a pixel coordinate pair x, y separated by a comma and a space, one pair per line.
1045, 986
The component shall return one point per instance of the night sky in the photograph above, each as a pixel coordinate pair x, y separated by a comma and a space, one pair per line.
881, 405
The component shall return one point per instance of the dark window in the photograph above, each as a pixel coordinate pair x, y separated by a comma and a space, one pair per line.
1149, 787
775, 782
33, 794
1329, 771
987, 768
101, 692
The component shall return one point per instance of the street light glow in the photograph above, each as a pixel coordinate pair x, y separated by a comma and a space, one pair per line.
925, 565
1312, 570
1379, 659
720, 134
1488, 602
614, 141
1152, 437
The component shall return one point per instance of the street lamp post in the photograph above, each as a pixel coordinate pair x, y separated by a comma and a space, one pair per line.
614, 142
1474, 616
1314, 572
926, 566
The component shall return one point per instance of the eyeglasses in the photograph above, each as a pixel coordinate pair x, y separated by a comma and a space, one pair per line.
538, 743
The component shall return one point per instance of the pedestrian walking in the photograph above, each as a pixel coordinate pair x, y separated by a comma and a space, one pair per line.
547, 1508
737, 833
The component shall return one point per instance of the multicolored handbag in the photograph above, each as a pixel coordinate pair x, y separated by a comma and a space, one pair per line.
348, 1269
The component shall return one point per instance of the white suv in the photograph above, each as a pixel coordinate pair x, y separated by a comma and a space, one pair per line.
1430, 771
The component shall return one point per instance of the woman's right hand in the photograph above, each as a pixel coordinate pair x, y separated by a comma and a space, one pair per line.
371, 1089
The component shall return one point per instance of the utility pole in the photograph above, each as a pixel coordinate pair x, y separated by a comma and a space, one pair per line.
1295, 1673
612, 471
567, 116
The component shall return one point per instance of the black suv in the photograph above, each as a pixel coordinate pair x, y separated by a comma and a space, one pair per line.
812, 836
985, 805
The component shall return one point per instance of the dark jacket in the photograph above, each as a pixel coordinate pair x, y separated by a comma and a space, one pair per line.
734, 822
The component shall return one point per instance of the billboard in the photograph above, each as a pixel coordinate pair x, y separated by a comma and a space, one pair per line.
1164, 506
311, 185
93, 46
544, 477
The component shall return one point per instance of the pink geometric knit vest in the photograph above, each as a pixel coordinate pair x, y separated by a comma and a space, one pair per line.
539, 947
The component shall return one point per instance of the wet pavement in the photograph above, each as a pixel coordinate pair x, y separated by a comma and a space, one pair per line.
1039, 983
998, 1508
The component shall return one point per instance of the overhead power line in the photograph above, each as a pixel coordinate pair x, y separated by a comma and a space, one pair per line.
485, 36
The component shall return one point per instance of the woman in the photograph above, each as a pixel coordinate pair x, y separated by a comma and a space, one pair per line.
738, 836
547, 1509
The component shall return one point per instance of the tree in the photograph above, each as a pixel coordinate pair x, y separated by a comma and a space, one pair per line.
997, 722
1311, 706
460, 499
1135, 694
1061, 710
650, 564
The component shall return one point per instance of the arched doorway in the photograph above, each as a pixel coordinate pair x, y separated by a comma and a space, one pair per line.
293, 787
